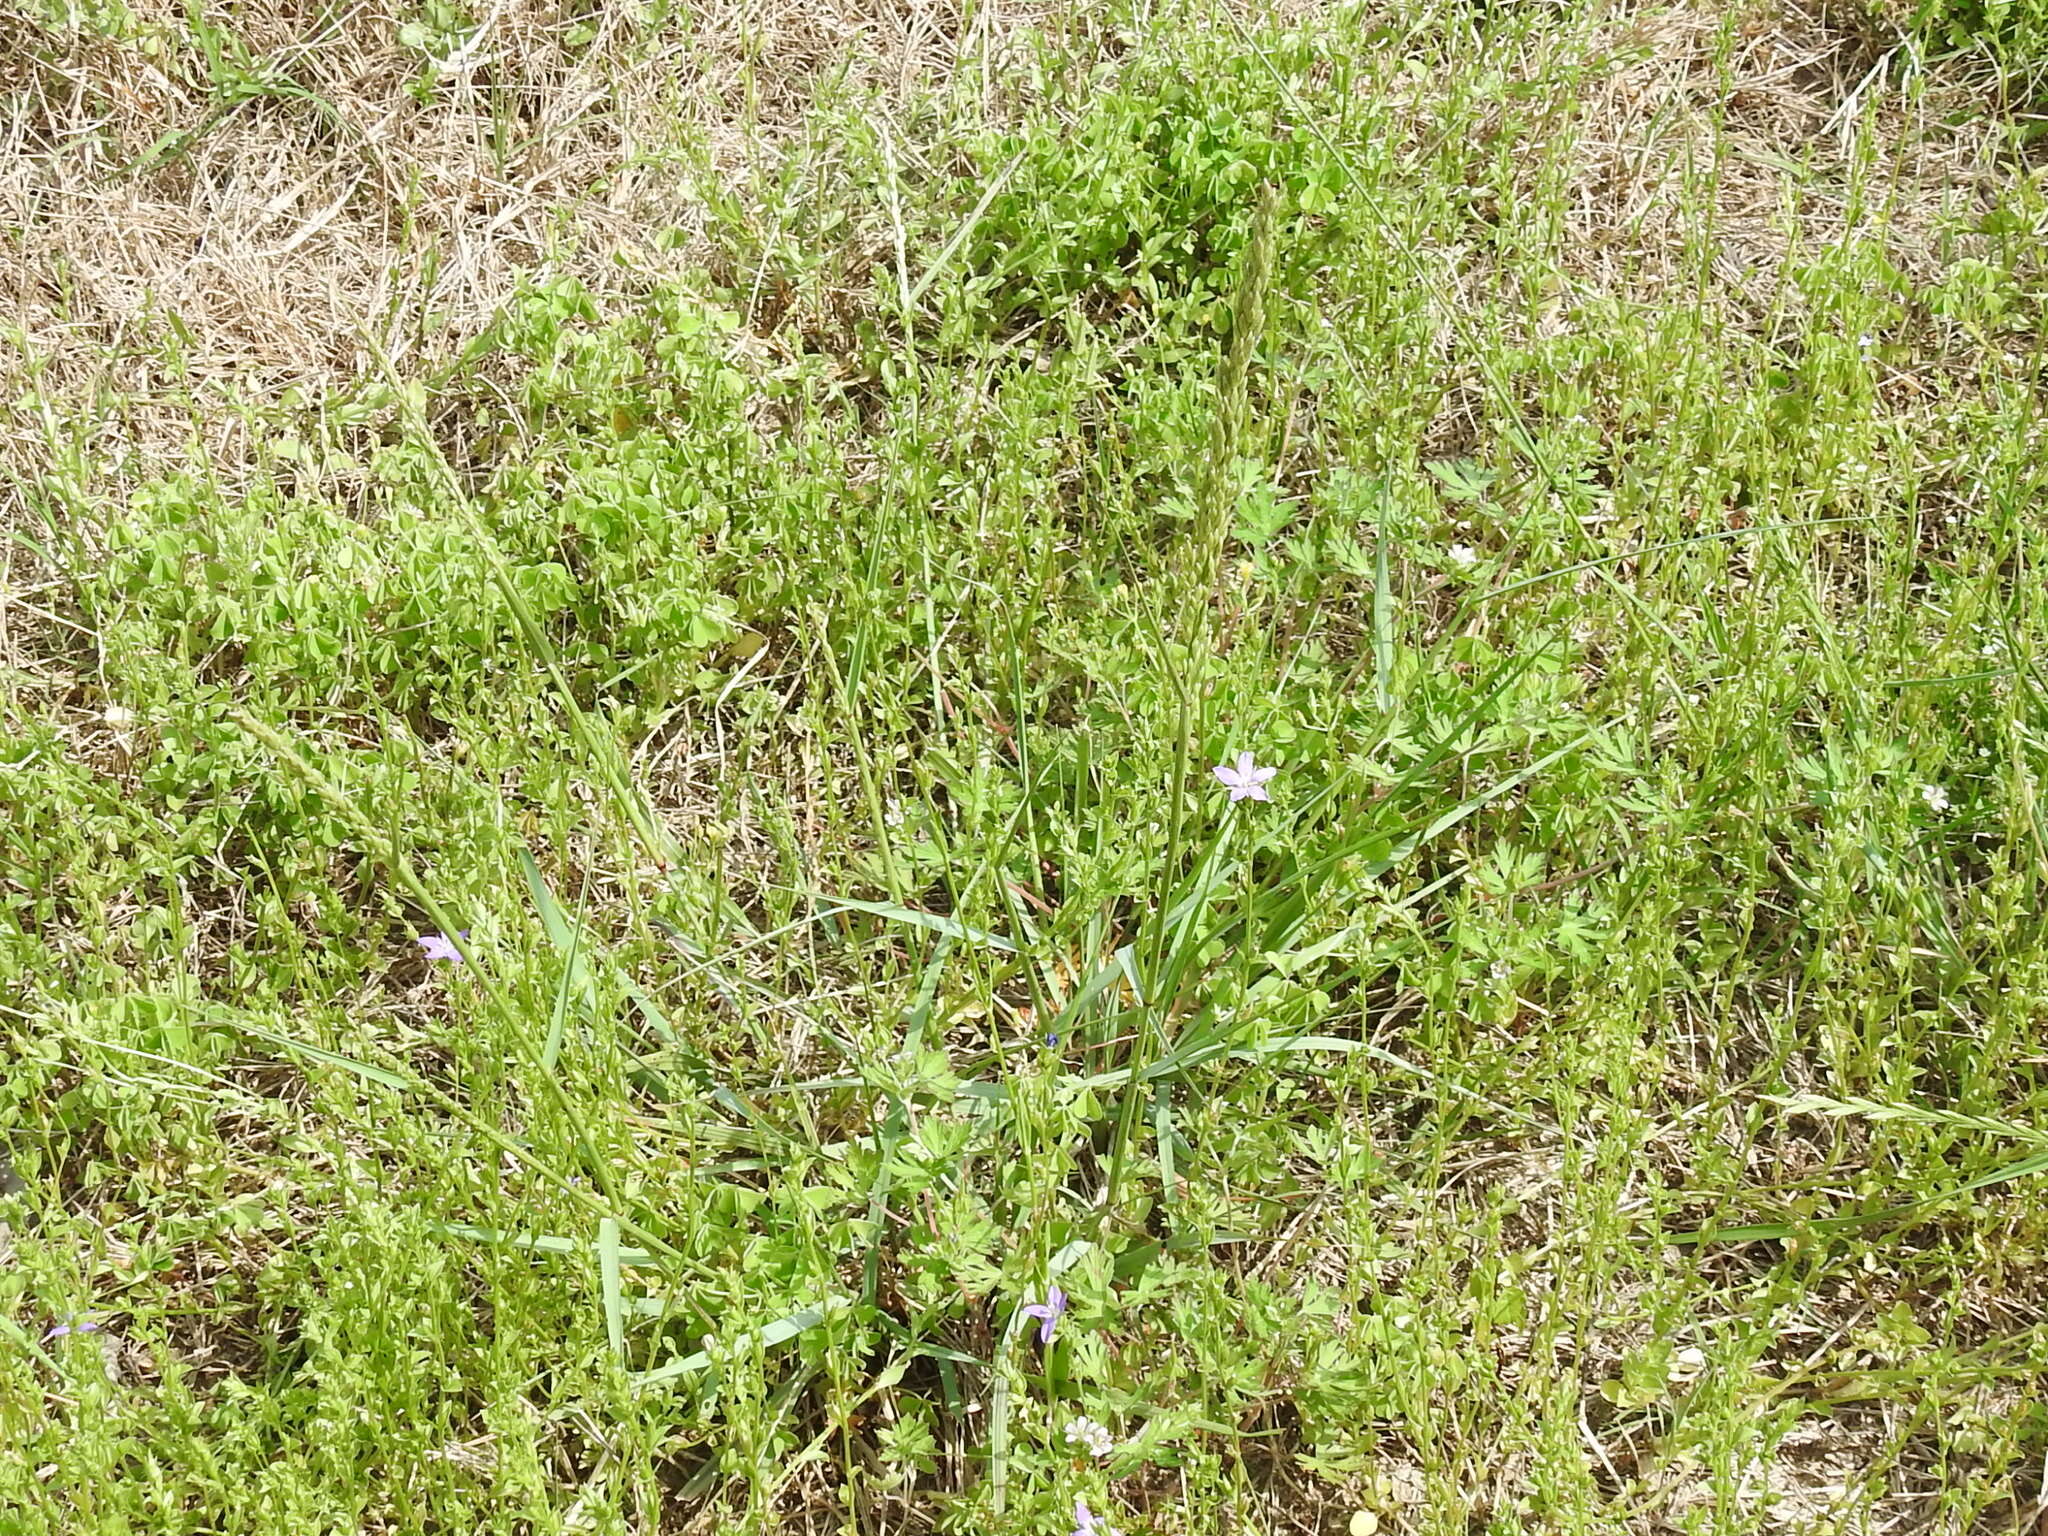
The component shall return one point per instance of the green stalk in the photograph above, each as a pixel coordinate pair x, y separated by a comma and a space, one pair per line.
1213, 499
1189, 629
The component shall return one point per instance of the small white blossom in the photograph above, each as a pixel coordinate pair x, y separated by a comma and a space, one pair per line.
1464, 556
1935, 796
1084, 1434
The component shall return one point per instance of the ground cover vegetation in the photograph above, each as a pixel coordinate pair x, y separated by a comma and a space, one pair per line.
1146, 767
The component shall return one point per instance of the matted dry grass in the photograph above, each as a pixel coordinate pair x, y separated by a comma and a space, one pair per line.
1782, 108
343, 184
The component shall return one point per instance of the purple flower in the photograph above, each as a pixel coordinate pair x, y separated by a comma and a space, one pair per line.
71, 1326
1049, 1310
438, 946
1247, 781
1086, 1523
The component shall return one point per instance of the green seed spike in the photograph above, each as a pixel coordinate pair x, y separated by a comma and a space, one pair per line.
1226, 432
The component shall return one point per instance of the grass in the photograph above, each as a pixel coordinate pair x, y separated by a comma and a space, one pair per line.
755, 528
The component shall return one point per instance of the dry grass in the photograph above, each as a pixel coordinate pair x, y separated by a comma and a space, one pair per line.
1787, 118
340, 191
1782, 109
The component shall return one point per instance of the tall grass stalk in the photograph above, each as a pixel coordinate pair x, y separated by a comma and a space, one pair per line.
1188, 638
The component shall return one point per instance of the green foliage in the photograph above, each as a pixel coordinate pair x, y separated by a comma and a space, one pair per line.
1145, 202
2012, 34
1617, 1024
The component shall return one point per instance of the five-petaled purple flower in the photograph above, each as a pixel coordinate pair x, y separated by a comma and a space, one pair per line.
1086, 1522
438, 946
1049, 1310
1247, 781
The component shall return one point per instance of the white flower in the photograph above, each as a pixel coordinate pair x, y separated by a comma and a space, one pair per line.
1463, 556
1935, 796
1084, 1434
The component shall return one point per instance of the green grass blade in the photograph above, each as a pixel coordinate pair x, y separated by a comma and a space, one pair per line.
381, 1076
567, 939
781, 1331
1382, 613
2026, 1167
538, 1242
614, 1291
1850, 1106
948, 927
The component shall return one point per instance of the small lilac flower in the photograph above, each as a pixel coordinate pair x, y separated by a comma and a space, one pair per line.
70, 1326
1049, 1311
1086, 1522
1247, 781
438, 946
